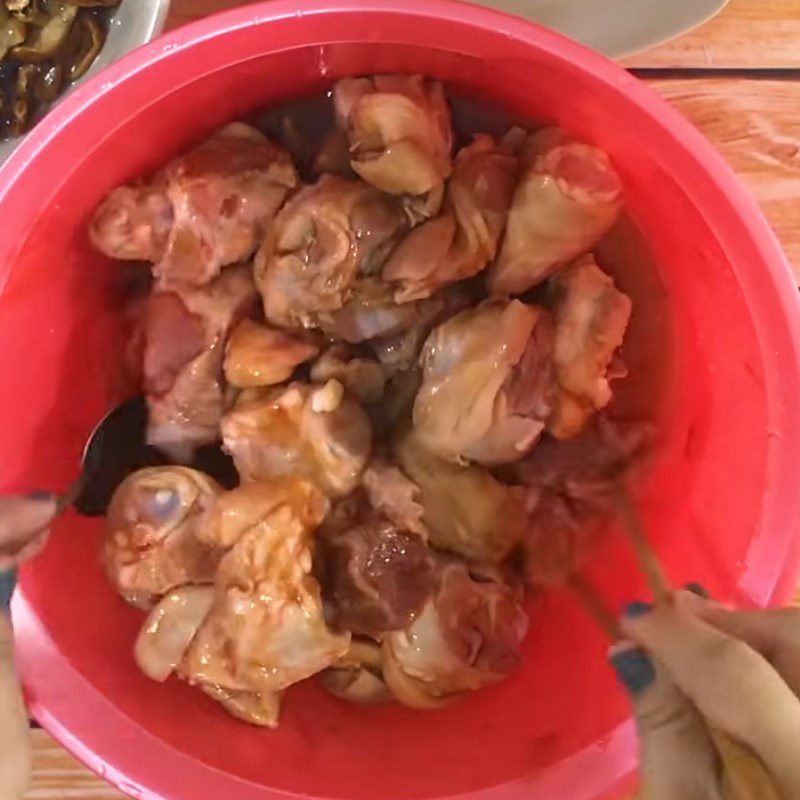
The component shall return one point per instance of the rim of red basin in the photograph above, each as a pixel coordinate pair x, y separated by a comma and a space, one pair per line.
84, 721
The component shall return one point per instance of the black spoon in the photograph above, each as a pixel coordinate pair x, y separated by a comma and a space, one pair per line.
117, 447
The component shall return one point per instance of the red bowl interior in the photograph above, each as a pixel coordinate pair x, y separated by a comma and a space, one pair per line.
713, 354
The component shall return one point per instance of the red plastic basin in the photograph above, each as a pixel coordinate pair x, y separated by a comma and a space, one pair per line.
714, 354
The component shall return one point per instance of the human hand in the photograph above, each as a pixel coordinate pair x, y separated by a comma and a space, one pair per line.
24, 522
696, 668
23, 531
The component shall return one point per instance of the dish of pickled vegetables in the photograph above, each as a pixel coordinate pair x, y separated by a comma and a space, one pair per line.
400, 335
45, 45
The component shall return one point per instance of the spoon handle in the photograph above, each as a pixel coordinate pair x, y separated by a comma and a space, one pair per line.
69, 497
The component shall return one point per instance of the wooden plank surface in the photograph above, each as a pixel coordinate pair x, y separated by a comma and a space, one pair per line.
746, 34
754, 124
58, 776
183, 11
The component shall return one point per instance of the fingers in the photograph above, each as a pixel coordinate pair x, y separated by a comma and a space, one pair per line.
678, 758
23, 521
775, 634
733, 687
32, 548
23, 532
29, 550
15, 753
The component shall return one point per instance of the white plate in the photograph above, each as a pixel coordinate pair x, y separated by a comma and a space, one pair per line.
616, 28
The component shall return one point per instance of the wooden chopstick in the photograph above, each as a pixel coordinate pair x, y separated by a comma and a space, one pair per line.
649, 564
593, 605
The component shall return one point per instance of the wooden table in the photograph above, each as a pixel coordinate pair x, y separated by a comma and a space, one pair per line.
738, 79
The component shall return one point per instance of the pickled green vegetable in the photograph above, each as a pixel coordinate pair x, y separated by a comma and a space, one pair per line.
46, 41
44, 46
91, 41
12, 32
